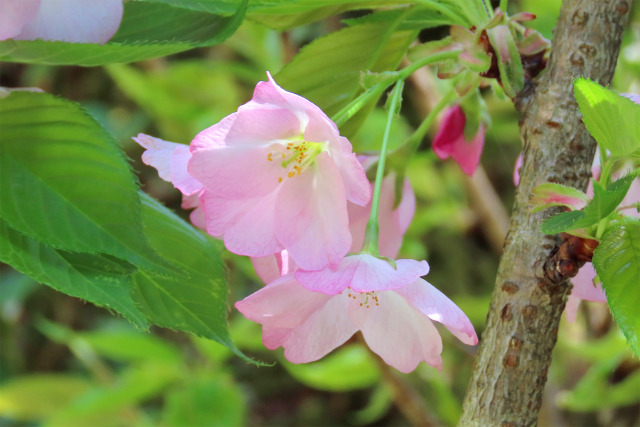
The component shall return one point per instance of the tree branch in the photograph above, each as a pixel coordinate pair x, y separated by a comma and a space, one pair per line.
507, 384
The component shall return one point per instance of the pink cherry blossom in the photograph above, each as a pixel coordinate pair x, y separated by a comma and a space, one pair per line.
75, 21
393, 223
583, 289
450, 141
396, 324
277, 175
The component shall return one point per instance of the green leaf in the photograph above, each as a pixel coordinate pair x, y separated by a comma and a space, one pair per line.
509, 62
327, 71
617, 262
613, 120
148, 30
99, 279
196, 303
350, 368
603, 203
66, 183
35, 397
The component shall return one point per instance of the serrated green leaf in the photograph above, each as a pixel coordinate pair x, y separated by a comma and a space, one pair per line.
613, 120
617, 262
148, 30
197, 303
562, 222
66, 183
327, 71
99, 279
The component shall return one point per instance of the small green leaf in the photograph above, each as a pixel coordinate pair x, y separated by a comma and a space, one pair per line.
603, 203
613, 120
617, 262
130, 346
563, 221
553, 194
509, 62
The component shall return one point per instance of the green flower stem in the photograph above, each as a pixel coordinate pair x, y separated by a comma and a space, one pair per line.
442, 9
350, 110
503, 5
371, 235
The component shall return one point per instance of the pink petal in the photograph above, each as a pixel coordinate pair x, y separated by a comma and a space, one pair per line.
572, 308
311, 216
266, 268
213, 136
179, 176
252, 233
74, 21
435, 305
394, 222
263, 126
170, 159
362, 273
14, 15
157, 154
236, 172
400, 334
307, 324
357, 187
516, 170
450, 142
583, 286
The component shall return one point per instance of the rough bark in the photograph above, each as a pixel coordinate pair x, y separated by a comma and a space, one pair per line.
510, 372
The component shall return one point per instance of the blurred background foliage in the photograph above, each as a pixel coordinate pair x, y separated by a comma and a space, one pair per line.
67, 363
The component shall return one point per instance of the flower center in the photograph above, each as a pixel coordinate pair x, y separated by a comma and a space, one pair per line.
364, 299
295, 156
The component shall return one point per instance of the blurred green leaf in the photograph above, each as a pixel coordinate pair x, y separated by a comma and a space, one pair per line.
349, 368
99, 279
182, 98
327, 71
378, 406
617, 262
148, 30
613, 120
208, 400
131, 346
66, 183
131, 387
595, 392
38, 396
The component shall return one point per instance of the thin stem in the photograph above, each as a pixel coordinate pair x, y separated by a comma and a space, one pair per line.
488, 7
342, 116
503, 5
371, 236
440, 8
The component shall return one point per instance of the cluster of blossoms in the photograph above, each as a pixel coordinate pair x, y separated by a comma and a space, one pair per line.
59, 20
276, 182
